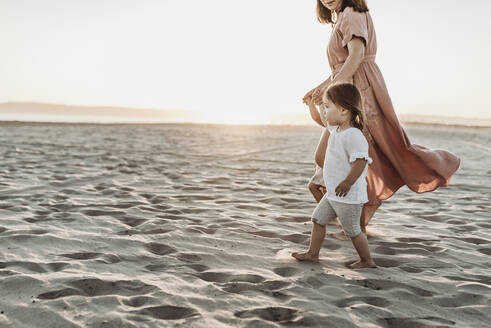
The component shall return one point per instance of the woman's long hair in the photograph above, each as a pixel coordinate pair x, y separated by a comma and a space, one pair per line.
348, 96
324, 14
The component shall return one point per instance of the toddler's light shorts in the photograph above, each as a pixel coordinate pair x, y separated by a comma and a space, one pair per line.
348, 215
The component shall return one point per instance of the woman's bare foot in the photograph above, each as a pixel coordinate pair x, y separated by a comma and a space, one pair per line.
339, 235
305, 257
362, 264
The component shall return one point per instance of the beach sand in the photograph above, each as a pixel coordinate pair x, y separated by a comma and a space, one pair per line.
193, 225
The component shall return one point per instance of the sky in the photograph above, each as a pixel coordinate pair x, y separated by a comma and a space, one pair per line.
236, 61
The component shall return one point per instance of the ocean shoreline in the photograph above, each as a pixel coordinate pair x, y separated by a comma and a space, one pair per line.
19, 122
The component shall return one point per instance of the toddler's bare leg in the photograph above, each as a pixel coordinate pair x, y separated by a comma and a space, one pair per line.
361, 245
316, 239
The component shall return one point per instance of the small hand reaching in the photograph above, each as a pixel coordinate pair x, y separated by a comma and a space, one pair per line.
342, 189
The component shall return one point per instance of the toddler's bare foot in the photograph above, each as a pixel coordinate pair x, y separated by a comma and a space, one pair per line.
339, 235
363, 264
305, 257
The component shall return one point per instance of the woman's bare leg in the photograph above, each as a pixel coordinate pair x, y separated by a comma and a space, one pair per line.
316, 239
366, 215
340, 235
316, 191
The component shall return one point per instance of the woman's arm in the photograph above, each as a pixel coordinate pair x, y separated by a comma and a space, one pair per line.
320, 152
325, 84
320, 87
356, 50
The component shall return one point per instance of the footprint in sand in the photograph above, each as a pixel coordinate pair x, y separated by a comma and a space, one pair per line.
157, 231
275, 314
426, 322
160, 249
228, 277
138, 301
169, 312
156, 267
286, 271
384, 250
103, 213
131, 221
109, 259
378, 284
82, 255
198, 267
411, 269
486, 251
411, 247
269, 288
414, 240
98, 287
188, 257
295, 238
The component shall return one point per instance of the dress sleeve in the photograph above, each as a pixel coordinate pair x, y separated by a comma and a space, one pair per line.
354, 24
357, 147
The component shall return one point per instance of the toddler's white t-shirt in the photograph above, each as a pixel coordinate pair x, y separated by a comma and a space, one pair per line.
343, 148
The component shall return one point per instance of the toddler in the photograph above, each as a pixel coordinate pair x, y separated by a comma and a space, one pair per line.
343, 155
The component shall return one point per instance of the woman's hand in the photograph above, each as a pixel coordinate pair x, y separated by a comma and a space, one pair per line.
317, 96
342, 189
308, 96
313, 94
316, 93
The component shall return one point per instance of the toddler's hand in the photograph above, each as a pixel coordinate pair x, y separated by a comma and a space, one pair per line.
342, 189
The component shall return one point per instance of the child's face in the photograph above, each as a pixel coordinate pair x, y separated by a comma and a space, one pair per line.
332, 113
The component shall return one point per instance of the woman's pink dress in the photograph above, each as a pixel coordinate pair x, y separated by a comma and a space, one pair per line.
396, 162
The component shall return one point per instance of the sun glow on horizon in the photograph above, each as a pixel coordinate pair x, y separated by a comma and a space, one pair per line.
231, 70
234, 117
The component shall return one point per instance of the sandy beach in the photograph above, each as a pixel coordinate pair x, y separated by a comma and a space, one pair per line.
193, 226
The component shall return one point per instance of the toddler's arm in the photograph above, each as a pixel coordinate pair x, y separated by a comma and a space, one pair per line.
314, 113
320, 152
356, 170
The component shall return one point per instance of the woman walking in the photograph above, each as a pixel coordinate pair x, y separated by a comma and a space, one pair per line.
396, 162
